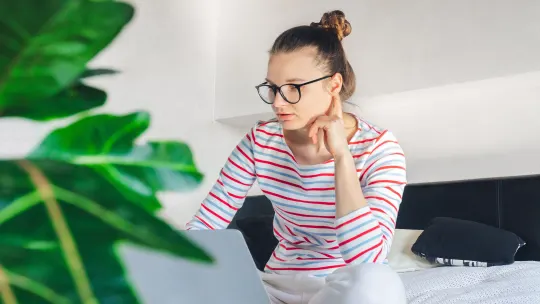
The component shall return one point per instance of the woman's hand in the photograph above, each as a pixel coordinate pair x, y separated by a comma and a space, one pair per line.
331, 129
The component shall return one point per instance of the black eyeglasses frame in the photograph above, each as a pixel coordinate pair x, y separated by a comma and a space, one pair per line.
275, 88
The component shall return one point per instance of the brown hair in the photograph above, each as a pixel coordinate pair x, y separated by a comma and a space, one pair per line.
325, 36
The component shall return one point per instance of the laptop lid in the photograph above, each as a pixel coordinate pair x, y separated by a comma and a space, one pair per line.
233, 278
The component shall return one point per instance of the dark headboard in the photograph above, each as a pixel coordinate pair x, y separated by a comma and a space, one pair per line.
512, 204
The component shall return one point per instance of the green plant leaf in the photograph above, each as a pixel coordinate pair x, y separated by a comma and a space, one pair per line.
76, 99
45, 46
60, 224
107, 143
98, 72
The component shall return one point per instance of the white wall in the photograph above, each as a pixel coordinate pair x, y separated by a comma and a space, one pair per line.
167, 58
458, 81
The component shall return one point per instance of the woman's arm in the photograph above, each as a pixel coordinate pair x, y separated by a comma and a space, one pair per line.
367, 208
229, 191
349, 196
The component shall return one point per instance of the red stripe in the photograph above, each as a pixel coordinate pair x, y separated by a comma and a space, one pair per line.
367, 170
308, 215
380, 168
362, 141
289, 248
289, 229
268, 133
234, 179
281, 236
389, 188
292, 169
294, 185
358, 235
305, 238
240, 167
384, 212
214, 214
275, 256
311, 259
223, 202
245, 155
307, 268
377, 256
370, 127
231, 194
363, 252
264, 123
304, 226
352, 220
384, 200
386, 228
360, 155
386, 181
236, 196
389, 167
326, 255
384, 142
297, 200
205, 223
275, 149
271, 148
380, 136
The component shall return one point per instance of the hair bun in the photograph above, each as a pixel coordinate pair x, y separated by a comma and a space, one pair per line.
335, 20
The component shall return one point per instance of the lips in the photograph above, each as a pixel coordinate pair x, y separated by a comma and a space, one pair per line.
285, 117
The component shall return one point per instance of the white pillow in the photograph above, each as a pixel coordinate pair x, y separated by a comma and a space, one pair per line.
401, 258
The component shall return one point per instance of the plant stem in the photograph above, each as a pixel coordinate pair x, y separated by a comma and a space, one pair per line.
69, 248
8, 297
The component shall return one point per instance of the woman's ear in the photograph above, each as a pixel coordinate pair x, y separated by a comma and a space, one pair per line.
336, 83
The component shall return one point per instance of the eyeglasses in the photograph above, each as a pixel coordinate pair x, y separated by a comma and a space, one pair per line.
290, 92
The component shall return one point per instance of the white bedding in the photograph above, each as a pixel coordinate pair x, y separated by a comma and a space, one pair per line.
518, 283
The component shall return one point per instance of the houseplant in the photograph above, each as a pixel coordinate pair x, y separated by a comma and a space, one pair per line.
88, 186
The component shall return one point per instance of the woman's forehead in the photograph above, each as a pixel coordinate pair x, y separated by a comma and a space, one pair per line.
297, 65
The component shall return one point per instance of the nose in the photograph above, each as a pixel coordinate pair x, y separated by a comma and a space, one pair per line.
279, 102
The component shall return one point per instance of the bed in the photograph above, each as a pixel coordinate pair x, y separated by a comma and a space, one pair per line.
509, 203
518, 283
512, 204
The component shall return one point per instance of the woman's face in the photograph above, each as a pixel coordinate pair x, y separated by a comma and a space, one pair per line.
298, 67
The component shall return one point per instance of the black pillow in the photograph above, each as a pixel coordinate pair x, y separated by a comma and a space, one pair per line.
449, 241
259, 235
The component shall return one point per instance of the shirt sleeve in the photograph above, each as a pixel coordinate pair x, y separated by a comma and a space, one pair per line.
230, 190
365, 235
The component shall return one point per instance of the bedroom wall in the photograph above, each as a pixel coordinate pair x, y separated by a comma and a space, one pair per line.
167, 59
167, 56
458, 82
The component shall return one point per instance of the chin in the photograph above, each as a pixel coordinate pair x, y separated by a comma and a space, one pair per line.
292, 125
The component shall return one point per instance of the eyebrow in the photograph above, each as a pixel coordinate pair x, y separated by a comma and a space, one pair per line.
286, 81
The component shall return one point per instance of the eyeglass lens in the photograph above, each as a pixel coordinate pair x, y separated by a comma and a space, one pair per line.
290, 93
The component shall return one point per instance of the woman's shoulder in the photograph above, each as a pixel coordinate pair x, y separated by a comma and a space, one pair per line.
370, 134
270, 126
266, 133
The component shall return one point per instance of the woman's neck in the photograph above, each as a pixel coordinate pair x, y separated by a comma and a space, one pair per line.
298, 137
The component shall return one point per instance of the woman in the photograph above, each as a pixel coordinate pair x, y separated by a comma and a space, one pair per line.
335, 181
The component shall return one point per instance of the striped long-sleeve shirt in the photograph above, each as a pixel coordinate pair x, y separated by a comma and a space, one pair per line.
311, 239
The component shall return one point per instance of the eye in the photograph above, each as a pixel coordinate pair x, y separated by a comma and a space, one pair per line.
289, 88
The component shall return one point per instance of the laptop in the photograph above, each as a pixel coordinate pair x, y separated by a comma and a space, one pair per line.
233, 277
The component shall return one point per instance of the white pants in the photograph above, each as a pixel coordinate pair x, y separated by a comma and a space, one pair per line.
354, 284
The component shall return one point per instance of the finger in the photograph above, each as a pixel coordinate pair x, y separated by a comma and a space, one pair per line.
313, 130
337, 109
320, 139
317, 125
